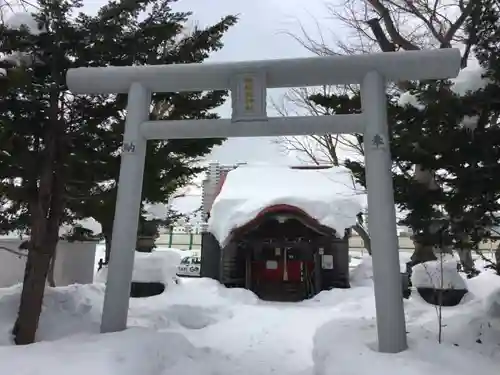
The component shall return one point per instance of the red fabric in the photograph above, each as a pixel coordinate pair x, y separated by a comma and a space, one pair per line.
260, 271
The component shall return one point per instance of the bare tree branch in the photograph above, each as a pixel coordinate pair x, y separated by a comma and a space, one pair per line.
386, 25
314, 149
390, 26
371, 25
376, 25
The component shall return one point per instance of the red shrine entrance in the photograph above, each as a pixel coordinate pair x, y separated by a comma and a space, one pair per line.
285, 255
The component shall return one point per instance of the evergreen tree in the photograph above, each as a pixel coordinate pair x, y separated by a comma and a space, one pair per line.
61, 152
169, 164
484, 28
455, 135
451, 135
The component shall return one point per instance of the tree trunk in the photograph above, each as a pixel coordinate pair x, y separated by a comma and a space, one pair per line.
361, 231
465, 256
47, 210
50, 277
497, 259
107, 240
37, 267
422, 253
42, 248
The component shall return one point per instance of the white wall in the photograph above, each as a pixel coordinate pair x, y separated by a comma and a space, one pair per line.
74, 263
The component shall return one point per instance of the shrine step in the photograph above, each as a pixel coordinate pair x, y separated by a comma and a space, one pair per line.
281, 292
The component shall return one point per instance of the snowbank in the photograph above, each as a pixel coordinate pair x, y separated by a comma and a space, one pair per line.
133, 352
66, 311
158, 266
492, 305
362, 273
326, 195
76, 309
194, 304
439, 274
470, 325
356, 354
201, 327
207, 292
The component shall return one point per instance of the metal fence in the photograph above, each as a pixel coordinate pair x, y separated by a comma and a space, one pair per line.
183, 241
192, 241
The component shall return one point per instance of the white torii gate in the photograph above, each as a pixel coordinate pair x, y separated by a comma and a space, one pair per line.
248, 82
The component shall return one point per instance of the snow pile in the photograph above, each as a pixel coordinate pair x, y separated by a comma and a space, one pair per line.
469, 325
157, 266
351, 302
362, 274
356, 354
66, 311
207, 292
439, 274
193, 304
470, 336
133, 352
327, 195
485, 284
76, 309
492, 305
201, 327
468, 80
408, 98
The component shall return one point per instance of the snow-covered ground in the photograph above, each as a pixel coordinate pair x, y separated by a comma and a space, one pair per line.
200, 327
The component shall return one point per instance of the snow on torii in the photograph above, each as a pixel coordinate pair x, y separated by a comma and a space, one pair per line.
328, 196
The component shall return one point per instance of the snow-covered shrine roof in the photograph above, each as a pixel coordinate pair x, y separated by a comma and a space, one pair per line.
328, 196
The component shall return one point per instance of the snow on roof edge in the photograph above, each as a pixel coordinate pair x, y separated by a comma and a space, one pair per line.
327, 195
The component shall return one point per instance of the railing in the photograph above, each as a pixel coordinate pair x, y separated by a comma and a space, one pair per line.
192, 241
183, 241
